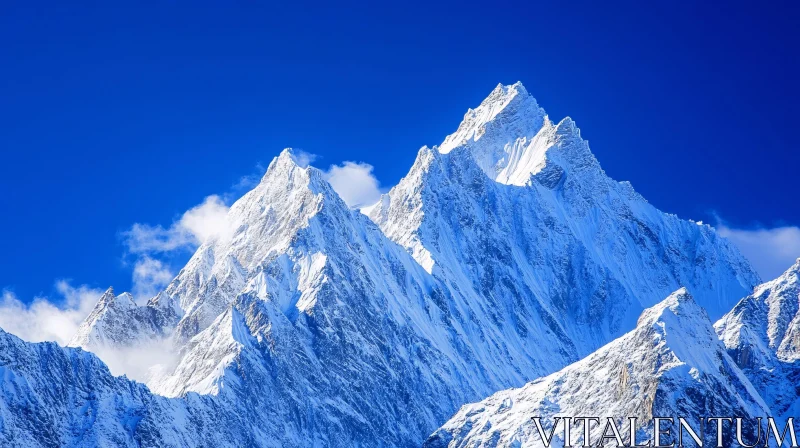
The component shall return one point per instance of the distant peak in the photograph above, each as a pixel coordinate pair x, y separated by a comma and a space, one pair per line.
287, 153
506, 93
292, 168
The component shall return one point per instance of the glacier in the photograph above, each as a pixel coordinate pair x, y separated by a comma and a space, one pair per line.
506, 254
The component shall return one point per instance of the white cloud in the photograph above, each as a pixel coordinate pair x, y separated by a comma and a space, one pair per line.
207, 220
770, 251
149, 277
355, 183
195, 226
139, 362
42, 319
144, 238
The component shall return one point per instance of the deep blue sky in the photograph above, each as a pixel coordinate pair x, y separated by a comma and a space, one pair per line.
111, 115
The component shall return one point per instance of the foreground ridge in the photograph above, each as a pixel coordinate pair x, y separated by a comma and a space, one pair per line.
671, 365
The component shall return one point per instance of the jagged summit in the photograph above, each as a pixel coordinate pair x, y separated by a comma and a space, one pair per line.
794, 269
499, 131
508, 105
295, 156
512, 139
470, 188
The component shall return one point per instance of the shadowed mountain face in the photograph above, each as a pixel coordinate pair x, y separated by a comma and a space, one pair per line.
505, 254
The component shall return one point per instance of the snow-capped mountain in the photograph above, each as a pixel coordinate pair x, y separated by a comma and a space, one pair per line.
670, 365
337, 322
505, 254
515, 213
762, 334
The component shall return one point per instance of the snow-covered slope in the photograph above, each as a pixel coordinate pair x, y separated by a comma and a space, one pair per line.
503, 255
671, 365
762, 334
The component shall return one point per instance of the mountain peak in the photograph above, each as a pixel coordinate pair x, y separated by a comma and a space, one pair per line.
509, 107
107, 297
795, 268
511, 139
296, 156
287, 161
682, 326
679, 304
503, 94
291, 170
292, 166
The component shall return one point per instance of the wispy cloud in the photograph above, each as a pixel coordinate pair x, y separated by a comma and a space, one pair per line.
151, 245
46, 319
195, 226
149, 277
140, 361
355, 183
770, 250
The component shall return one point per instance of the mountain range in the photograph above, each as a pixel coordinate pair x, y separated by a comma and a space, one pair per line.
506, 255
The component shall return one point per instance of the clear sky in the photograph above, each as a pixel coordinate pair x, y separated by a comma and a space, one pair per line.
114, 115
